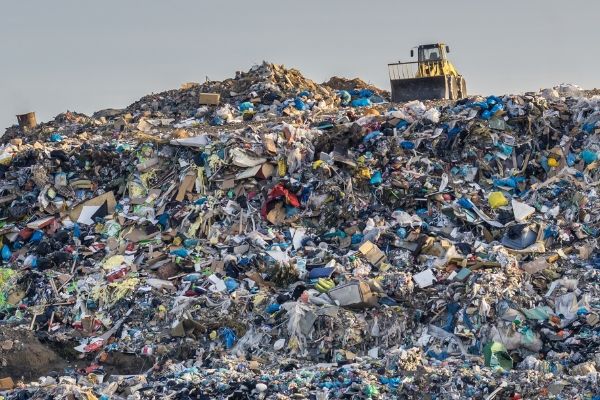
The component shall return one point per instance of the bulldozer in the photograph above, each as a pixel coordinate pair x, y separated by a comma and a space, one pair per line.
431, 77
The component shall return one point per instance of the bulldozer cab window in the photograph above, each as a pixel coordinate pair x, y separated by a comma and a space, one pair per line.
431, 54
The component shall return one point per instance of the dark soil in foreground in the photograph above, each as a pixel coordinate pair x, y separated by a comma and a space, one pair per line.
25, 355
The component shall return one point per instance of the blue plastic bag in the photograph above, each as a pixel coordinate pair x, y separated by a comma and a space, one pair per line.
492, 100
589, 156
362, 102
496, 108
245, 106
372, 135
506, 149
6, 253
588, 127
163, 220
76, 231
407, 145
217, 121
479, 104
402, 233
181, 252
465, 203
512, 181
402, 124
357, 238
375, 99
56, 138
273, 308
376, 179
227, 336
231, 284
299, 104
365, 93
36, 237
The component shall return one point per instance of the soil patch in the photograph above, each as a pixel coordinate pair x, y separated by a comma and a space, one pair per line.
23, 356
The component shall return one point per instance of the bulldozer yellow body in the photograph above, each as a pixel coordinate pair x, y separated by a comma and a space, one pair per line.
432, 76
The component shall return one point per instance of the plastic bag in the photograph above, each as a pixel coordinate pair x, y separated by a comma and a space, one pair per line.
589, 156
6, 253
432, 115
362, 102
497, 199
299, 104
245, 106
344, 97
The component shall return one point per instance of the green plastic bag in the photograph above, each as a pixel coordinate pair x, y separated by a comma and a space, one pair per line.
496, 356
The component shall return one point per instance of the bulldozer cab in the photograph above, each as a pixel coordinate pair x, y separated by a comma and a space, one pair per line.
433, 62
432, 76
431, 52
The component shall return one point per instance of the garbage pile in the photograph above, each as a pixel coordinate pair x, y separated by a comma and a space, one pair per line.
268, 237
349, 85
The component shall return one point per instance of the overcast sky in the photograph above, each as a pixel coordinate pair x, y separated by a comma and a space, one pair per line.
84, 56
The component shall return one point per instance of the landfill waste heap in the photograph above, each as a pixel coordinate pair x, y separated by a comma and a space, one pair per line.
268, 237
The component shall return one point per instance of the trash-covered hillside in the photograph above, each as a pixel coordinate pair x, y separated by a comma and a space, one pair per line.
269, 237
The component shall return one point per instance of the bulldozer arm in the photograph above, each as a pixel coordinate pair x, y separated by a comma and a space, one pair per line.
429, 88
436, 68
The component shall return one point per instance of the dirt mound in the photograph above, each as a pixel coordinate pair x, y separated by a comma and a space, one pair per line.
23, 356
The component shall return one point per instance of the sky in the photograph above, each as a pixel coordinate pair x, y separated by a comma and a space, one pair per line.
85, 56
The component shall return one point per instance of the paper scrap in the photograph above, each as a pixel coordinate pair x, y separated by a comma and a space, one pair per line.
424, 279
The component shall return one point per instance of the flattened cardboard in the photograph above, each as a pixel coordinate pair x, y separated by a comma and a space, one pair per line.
260, 171
228, 184
186, 186
40, 223
269, 144
353, 295
108, 198
7, 383
209, 99
195, 141
134, 234
243, 159
373, 254
87, 214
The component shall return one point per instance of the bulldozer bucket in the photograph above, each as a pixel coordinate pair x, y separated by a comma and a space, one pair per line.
428, 88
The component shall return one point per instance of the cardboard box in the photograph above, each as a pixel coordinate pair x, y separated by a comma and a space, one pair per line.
353, 295
372, 253
189, 85
210, 99
7, 383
